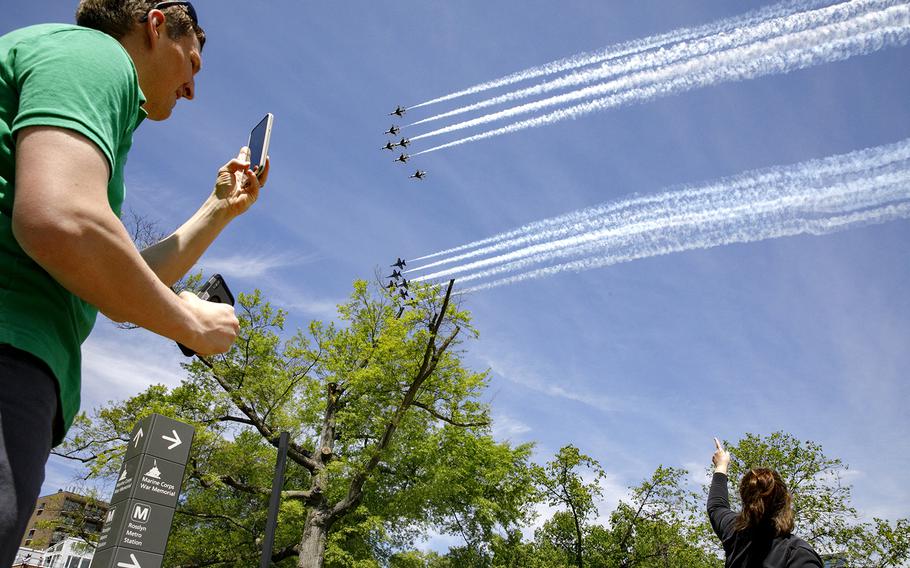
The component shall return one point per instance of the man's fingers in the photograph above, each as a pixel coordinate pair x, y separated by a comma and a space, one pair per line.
238, 165
718, 445
244, 154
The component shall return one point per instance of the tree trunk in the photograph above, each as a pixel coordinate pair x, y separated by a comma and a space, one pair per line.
312, 543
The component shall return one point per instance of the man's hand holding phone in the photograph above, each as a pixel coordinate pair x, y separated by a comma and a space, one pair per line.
237, 186
238, 182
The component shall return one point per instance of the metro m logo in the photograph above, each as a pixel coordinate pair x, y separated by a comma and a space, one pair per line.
141, 513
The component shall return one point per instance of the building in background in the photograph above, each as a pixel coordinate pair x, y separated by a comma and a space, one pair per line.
61, 515
28, 558
70, 552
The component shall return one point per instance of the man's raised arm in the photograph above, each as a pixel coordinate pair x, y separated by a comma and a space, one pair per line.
63, 221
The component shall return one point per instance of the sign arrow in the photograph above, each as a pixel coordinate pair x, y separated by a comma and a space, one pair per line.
133, 564
176, 440
138, 435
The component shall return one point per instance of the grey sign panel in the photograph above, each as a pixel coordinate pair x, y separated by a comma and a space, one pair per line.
162, 437
137, 525
126, 558
149, 478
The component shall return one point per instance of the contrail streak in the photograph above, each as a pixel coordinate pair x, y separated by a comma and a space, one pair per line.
816, 197
636, 46
776, 26
812, 227
649, 207
825, 44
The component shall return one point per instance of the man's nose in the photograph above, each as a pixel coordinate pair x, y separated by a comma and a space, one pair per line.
188, 90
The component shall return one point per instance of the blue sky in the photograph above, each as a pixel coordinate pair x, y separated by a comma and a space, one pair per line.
637, 364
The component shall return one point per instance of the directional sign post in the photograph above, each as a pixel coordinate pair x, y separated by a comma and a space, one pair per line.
145, 496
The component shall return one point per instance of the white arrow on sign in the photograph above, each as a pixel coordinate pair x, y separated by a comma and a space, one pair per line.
138, 435
133, 564
176, 440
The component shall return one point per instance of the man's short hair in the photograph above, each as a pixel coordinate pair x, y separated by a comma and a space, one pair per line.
118, 17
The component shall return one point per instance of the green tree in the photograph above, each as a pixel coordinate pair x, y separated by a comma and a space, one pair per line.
562, 485
662, 525
388, 437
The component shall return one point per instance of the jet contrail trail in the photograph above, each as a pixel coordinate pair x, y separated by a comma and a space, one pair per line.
812, 227
636, 46
576, 221
771, 27
655, 206
719, 221
824, 44
816, 197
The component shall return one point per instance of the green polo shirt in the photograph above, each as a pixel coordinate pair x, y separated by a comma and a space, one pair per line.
83, 80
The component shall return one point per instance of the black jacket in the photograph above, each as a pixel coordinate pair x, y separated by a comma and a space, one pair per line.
748, 549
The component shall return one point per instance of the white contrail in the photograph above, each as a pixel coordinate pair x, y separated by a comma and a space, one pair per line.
674, 199
825, 44
715, 217
636, 46
812, 227
817, 197
636, 62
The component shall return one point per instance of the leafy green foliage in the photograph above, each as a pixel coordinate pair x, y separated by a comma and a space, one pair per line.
389, 438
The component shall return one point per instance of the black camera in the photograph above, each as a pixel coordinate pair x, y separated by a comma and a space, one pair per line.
214, 290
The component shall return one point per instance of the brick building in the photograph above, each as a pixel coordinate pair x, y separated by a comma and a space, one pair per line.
62, 514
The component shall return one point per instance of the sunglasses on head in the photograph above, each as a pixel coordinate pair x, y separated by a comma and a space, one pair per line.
162, 5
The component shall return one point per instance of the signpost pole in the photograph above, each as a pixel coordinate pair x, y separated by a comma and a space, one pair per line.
138, 523
275, 501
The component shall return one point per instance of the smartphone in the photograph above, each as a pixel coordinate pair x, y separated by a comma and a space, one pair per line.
214, 290
259, 143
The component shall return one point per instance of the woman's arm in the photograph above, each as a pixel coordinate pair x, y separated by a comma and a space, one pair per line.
719, 512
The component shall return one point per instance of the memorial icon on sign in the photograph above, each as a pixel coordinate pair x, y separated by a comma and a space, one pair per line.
154, 473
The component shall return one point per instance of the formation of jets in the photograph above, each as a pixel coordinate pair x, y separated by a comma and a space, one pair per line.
398, 282
389, 145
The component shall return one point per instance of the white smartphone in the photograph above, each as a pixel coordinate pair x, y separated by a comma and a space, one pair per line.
259, 143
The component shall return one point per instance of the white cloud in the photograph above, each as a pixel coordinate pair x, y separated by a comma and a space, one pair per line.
698, 473
318, 308
530, 379
505, 426
254, 265
117, 364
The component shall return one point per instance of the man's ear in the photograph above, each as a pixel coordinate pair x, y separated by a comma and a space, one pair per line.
154, 26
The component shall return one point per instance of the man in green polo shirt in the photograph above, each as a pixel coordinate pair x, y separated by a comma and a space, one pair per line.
70, 99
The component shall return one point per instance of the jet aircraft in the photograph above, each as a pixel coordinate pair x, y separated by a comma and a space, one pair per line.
399, 111
389, 146
396, 274
404, 142
400, 263
393, 131
391, 286
419, 174
402, 158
